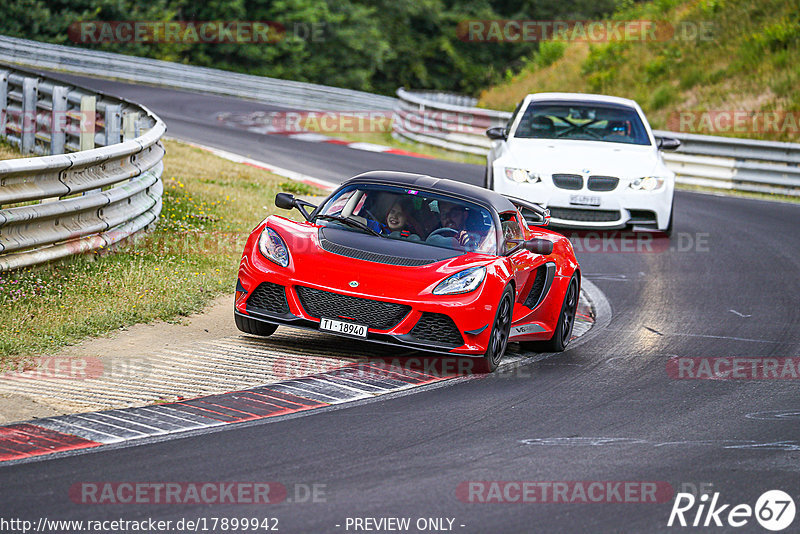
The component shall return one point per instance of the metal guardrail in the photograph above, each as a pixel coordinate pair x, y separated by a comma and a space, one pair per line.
292, 94
68, 203
438, 120
737, 164
704, 160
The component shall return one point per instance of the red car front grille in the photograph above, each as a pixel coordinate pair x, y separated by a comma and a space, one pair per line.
373, 313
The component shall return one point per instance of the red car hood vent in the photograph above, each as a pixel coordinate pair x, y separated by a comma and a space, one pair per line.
381, 250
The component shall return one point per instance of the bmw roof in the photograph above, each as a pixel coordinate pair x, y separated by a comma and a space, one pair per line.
581, 97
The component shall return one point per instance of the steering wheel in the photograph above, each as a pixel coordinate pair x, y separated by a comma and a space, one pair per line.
446, 230
371, 216
472, 242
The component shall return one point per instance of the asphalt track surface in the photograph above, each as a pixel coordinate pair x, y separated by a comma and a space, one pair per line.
606, 410
193, 117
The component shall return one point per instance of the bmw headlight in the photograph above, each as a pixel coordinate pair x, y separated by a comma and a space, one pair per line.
461, 282
522, 176
647, 183
273, 247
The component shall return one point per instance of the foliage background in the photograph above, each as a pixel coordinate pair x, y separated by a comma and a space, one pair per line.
371, 45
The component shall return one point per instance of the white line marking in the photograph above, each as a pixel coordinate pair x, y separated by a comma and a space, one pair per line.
62, 426
622, 330
99, 418
310, 137
369, 147
286, 173
205, 420
607, 277
136, 417
329, 383
129, 422
739, 314
787, 445
165, 411
336, 380
310, 393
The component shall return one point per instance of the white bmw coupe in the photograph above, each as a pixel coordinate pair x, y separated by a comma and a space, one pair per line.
592, 160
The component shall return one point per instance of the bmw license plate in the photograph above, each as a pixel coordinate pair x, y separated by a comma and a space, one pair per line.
352, 329
584, 200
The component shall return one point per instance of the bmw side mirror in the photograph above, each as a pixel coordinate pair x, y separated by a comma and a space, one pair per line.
287, 201
497, 133
539, 246
667, 143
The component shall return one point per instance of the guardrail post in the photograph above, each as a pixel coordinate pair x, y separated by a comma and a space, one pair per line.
88, 117
113, 119
58, 120
3, 102
30, 93
130, 127
87, 126
130, 123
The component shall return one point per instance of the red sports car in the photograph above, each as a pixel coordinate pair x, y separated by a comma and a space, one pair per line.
407, 259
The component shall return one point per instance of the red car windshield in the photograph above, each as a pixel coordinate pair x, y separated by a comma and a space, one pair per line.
414, 216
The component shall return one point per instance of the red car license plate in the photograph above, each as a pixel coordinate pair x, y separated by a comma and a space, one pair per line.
332, 325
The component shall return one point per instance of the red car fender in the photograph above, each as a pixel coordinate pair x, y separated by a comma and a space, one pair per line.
499, 274
565, 256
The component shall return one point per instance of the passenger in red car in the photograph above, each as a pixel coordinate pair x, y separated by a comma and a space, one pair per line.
399, 222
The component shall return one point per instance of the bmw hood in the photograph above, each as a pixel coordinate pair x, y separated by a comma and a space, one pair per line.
549, 156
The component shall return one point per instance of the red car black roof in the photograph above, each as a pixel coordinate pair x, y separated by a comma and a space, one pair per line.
474, 193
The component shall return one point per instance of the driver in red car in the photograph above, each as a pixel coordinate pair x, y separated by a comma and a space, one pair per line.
453, 217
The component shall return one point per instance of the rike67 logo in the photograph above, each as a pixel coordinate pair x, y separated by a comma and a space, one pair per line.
774, 510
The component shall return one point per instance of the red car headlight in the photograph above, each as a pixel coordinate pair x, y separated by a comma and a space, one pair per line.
461, 282
273, 247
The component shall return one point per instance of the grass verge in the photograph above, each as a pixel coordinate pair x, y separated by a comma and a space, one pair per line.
7, 151
192, 256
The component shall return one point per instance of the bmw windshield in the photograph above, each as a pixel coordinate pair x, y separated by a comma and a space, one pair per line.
586, 121
412, 216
